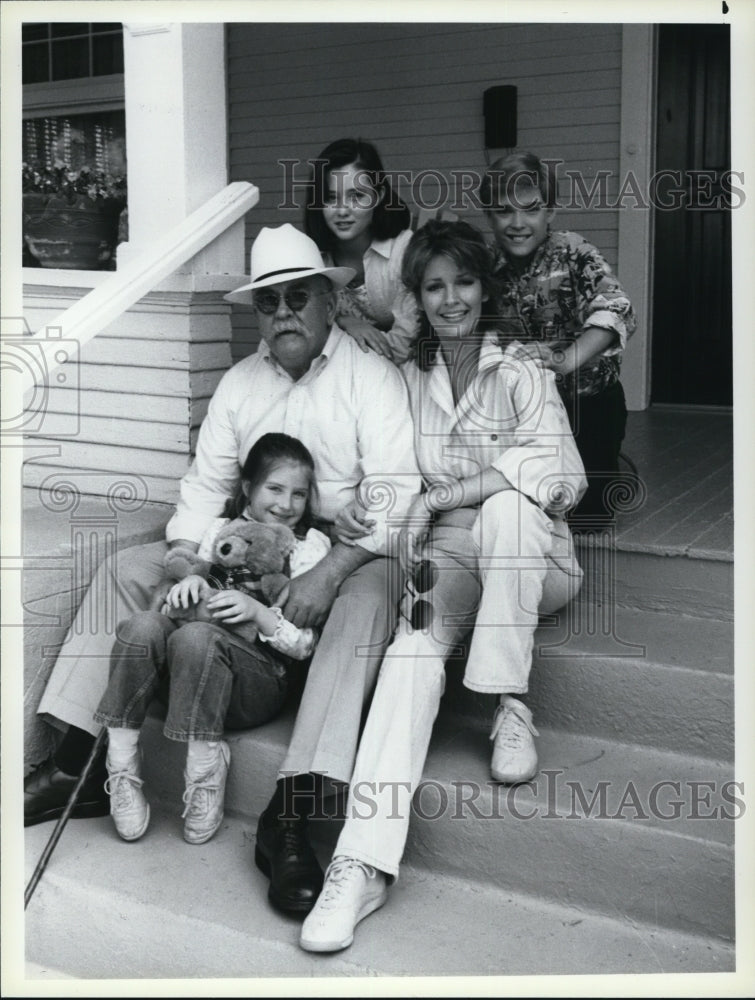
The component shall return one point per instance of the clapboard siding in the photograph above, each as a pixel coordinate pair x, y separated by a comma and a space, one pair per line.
157, 489
582, 106
415, 90
118, 460
156, 319
304, 44
170, 355
133, 380
128, 432
162, 408
130, 380
128, 402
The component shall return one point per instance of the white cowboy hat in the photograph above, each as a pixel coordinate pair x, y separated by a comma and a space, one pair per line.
284, 253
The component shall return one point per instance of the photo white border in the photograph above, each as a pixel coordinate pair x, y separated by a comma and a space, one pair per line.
741, 15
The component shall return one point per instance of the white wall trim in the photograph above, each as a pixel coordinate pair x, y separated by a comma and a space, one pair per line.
74, 283
79, 96
146, 29
635, 247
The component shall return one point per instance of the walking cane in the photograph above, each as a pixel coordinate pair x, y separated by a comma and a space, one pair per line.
59, 826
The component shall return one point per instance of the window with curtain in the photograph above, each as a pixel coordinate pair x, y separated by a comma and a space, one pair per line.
74, 129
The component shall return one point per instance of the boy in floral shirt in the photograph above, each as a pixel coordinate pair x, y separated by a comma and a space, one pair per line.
557, 294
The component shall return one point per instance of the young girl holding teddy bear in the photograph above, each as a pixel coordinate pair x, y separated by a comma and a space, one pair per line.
217, 678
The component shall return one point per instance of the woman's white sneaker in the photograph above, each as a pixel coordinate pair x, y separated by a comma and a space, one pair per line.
514, 753
351, 891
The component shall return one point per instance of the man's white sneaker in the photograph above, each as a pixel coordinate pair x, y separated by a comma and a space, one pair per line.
514, 753
352, 890
205, 796
128, 806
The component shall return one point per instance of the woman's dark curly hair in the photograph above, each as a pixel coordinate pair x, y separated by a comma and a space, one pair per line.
466, 247
391, 215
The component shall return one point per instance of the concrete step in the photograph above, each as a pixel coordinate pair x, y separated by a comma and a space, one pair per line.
658, 679
598, 828
694, 583
163, 909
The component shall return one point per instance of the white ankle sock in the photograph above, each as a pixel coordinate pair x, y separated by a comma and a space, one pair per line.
201, 756
123, 746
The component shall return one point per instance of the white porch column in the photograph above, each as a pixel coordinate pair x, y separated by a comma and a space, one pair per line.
176, 135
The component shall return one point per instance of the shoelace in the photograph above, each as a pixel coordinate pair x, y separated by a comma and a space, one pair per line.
198, 797
515, 723
292, 839
120, 786
337, 877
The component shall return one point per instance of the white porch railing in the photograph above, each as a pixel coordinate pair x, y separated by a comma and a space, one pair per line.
100, 307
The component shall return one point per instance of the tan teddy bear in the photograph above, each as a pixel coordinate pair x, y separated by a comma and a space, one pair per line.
247, 556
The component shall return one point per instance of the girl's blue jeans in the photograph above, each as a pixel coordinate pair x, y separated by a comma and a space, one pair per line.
215, 679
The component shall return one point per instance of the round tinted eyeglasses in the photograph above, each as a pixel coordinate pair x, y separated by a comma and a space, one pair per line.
267, 301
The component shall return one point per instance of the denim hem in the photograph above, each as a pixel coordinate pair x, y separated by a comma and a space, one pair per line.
183, 737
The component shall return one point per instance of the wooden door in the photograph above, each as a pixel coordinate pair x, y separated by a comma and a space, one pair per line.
691, 336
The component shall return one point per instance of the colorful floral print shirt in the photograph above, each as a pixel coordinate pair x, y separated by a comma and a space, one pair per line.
565, 287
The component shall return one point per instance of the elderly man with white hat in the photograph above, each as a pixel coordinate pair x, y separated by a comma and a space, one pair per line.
310, 380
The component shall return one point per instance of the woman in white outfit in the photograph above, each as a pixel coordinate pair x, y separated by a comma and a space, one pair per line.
486, 545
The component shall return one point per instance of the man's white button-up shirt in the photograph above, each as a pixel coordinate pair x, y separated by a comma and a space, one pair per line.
350, 409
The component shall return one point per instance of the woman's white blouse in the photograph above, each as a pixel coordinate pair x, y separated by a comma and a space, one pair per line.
511, 418
382, 299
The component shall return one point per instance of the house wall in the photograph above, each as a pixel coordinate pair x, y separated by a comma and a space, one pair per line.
131, 403
416, 91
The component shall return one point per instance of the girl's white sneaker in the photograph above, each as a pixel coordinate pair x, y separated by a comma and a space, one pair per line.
205, 794
128, 806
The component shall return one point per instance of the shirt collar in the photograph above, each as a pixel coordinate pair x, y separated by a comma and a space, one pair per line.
501, 263
490, 352
335, 337
382, 247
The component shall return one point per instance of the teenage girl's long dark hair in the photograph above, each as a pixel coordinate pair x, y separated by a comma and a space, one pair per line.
391, 215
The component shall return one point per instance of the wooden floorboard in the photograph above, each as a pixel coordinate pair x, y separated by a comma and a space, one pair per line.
684, 459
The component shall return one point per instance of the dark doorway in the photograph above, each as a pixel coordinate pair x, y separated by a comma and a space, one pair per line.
692, 339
